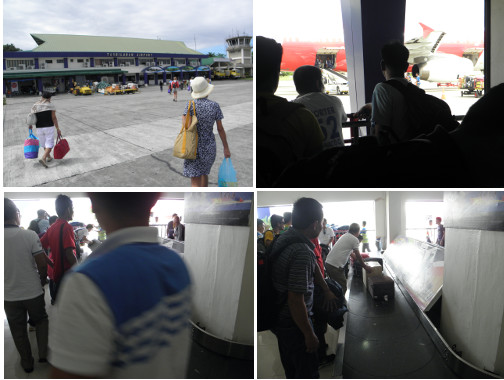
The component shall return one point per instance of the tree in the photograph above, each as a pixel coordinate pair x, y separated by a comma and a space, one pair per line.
211, 54
10, 47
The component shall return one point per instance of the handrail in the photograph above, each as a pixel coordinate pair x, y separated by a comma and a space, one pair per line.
355, 125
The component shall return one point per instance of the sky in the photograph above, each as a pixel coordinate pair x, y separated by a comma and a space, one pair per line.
322, 20
202, 25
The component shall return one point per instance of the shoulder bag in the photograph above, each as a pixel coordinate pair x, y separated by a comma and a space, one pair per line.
186, 143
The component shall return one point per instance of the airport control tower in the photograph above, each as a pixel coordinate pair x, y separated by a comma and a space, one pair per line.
240, 53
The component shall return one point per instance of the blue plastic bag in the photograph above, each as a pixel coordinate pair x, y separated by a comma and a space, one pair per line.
227, 174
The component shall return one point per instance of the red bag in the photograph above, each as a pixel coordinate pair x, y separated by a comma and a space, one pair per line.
61, 148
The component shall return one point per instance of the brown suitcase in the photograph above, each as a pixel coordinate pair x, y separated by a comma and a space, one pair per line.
381, 287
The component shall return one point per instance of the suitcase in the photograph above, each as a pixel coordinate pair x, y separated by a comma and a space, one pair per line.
357, 268
381, 287
377, 270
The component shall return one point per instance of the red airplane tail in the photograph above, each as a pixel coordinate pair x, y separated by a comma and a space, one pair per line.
426, 30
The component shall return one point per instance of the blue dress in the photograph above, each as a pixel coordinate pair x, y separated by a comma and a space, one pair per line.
207, 112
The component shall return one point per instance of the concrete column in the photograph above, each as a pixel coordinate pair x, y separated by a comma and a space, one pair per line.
91, 62
115, 62
40, 86
220, 258
494, 31
4, 65
36, 63
368, 25
472, 311
65, 63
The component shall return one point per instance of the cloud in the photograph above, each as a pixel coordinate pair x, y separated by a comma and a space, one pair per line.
210, 23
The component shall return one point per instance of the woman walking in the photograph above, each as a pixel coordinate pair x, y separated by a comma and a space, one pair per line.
208, 112
47, 124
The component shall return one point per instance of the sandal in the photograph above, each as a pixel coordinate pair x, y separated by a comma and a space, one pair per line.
49, 159
43, 163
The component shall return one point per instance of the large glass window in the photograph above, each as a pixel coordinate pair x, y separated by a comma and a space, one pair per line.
421, 219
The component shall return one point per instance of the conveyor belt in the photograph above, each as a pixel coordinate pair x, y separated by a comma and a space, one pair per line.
386, 339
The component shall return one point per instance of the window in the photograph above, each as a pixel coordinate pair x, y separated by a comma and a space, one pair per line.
48, 61
60, 61
421, 219
179, 62
80, 60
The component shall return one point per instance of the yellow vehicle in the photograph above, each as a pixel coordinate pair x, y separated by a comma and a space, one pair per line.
234, 74
84, 90
116, 89
219, 74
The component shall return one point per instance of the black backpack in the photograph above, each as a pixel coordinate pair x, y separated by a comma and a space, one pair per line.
34, 226
423, 111
274, 151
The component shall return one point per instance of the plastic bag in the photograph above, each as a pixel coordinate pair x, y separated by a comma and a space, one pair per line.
31, 146
227, 174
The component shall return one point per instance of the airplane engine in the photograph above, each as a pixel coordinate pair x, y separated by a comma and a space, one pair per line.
442, 68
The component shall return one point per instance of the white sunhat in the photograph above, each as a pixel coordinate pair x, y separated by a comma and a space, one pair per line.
201, 88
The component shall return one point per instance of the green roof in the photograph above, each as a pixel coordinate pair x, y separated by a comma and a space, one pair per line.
74, 43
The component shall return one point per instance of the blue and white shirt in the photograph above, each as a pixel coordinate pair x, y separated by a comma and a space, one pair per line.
124, 312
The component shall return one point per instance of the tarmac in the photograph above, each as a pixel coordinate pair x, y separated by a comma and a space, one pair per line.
126, 140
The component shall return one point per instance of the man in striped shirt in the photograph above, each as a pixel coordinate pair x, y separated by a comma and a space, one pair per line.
294, 272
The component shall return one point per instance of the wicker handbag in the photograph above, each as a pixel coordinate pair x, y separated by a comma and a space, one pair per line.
186, 143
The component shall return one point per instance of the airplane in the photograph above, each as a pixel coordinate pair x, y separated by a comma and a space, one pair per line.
434, 61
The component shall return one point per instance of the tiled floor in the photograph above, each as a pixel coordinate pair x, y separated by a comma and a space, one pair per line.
268, 357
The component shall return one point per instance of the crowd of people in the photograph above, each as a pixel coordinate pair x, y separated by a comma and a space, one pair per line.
307, 254
102, 323
299, 143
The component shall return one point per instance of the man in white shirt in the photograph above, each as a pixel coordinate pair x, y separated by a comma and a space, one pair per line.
25, 274
326, 238
124, 312
327, 109
346, 245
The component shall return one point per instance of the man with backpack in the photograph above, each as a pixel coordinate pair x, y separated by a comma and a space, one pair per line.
295, 272
401, 111
285, 132
41, 224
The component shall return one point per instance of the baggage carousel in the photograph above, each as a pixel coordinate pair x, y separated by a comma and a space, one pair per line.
398, 338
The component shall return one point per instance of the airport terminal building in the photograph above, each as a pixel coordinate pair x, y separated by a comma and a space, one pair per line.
59, 60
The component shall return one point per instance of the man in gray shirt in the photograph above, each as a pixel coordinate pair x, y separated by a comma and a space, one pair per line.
294, 273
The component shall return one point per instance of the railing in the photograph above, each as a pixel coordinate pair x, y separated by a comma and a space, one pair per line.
355, 125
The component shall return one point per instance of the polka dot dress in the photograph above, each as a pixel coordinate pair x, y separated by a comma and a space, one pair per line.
207, 112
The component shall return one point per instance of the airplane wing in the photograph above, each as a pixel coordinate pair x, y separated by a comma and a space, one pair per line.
422, 47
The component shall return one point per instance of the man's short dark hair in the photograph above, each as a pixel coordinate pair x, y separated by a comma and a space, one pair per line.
260, 222
10, 210
47, 95
89, 226
354, 227
268, 59
41, 213
306, 79
52, 219
126, 204
305, 212
275, 220
395, 55
287, 216
63, 202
